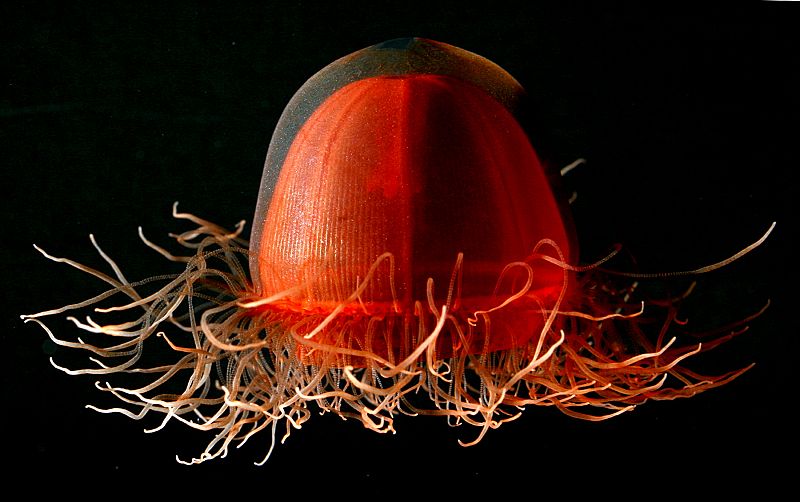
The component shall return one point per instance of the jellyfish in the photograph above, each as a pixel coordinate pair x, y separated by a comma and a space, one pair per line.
410, 254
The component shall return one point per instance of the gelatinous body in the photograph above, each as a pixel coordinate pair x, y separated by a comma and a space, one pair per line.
409, 254
406, 165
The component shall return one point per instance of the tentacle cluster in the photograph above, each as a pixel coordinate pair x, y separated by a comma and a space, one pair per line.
219, 358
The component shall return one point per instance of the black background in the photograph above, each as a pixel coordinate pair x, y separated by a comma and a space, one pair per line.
112, 111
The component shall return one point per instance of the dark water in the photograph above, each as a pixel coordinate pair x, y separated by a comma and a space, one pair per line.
109, 114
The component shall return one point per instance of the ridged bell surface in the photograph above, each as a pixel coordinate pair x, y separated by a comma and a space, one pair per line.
424, 166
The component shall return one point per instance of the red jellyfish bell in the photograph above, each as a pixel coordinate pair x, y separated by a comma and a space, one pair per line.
408, 255
400, 202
